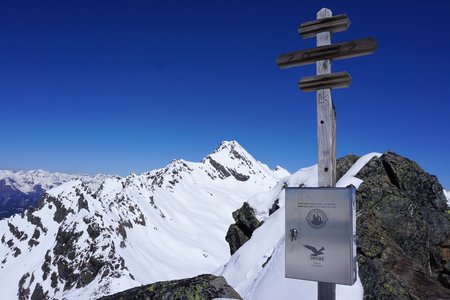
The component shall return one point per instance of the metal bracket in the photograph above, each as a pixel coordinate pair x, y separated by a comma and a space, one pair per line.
293, 233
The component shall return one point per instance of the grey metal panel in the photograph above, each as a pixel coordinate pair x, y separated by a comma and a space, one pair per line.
324, 249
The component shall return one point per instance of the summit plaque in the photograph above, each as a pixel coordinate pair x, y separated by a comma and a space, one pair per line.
321, 229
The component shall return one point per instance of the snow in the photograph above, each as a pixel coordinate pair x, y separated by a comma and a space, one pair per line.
349, 177
447, 195
26, 181
281, 172
174, 221
167, 224
245, 272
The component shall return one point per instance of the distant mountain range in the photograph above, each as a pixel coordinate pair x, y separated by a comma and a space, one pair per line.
92, 237
87, 241
20, 190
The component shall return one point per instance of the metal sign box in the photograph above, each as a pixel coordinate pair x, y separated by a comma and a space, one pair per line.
320, 234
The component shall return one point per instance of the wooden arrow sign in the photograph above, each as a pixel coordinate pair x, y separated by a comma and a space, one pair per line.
327, 81
331, 24
337, 51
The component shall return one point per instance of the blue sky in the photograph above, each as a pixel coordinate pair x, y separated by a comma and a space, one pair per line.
122, 86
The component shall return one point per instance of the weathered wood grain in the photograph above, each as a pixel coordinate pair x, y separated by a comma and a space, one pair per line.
326, 81
331, 24
326, 139
343, 50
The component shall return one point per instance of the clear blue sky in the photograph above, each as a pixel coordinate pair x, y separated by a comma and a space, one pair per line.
121, 86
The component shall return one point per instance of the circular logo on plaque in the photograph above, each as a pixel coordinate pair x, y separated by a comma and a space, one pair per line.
316, 218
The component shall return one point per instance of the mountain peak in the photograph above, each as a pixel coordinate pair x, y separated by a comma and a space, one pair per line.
233, 150
231, 159
228, 145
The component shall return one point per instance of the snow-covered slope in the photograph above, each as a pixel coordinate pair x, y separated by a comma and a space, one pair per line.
447, 195
22, 189
245, 272
85, 242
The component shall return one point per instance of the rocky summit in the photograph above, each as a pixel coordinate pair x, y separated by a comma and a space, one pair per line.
202, 287
403, 231
241, 231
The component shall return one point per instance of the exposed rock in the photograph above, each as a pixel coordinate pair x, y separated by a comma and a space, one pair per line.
93, 230
223, 172
82, 203
343, 164
17, 251
89, 273
235, 238
275, 207
23, 292
46, 265
66, 243
35, 220
238, 176
38, 293
61, 210
403, 229
242, 230
20, 235
203, 287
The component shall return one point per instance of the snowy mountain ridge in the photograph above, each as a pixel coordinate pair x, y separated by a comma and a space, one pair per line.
256, 269
88, 241
20, 190
169, 223
26, 181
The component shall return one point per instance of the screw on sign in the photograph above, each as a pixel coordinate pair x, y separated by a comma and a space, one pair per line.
322, 83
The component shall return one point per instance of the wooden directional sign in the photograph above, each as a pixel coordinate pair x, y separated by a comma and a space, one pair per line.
337, 51
332, 24
327, 81
323, 83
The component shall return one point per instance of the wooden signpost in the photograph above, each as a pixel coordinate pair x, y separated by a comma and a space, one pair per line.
322, 83
337, 51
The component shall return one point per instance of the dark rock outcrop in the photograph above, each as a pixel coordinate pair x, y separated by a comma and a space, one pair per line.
343, 164
240, 232
275, 207
225, 172
403, 231
203, 287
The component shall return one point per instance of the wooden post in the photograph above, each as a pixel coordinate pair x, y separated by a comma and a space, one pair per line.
323, 82
326, 138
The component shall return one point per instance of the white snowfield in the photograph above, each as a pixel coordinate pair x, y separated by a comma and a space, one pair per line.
166, 224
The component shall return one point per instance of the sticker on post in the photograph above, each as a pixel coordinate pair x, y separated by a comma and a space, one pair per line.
317, 256
316, 218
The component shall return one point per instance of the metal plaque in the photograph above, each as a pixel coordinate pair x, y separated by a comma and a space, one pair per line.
320, 234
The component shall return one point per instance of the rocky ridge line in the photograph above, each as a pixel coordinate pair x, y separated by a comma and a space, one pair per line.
202, 287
